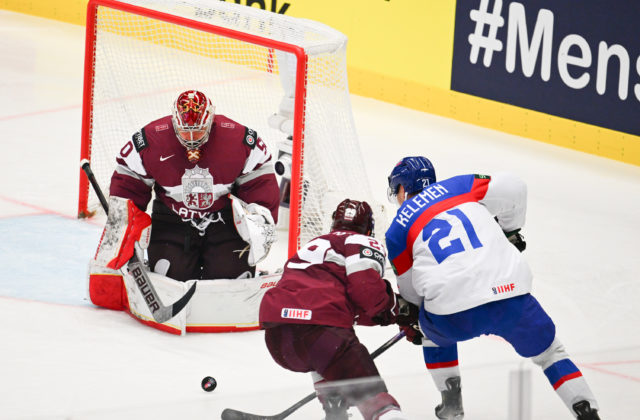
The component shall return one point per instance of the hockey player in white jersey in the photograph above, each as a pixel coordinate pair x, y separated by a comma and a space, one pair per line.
455, 247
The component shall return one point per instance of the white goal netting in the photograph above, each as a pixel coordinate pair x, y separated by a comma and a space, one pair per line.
146, 52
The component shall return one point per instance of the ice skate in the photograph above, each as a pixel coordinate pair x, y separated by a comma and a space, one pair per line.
335, 408
585, 412
451, 407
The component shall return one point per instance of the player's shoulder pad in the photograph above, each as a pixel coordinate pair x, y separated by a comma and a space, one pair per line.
139, 140
250, 137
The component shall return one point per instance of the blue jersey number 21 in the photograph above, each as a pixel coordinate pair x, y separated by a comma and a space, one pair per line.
439, 229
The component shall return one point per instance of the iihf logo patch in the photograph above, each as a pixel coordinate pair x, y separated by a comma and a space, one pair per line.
504, 288
292, 313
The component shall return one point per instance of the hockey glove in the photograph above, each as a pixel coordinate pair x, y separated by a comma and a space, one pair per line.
412, 333
407, 320
388, 315
516, 239
407, 312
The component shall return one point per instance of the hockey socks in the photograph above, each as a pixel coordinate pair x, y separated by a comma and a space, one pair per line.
564, 376
442, 363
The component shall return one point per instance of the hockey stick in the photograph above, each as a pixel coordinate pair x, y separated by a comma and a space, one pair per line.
159, 312
231, 414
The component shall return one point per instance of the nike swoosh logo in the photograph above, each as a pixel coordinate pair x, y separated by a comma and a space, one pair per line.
162, 158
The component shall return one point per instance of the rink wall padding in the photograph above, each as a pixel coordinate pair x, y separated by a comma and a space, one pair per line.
565, 73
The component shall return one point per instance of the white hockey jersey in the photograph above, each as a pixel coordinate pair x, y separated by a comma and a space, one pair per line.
447, 249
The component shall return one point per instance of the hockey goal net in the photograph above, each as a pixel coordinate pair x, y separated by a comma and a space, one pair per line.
250, 62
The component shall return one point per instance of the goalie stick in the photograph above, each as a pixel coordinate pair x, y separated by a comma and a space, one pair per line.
135, 267
231, 414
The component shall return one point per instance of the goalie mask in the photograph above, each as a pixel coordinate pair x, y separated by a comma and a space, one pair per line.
192, 118
353, 215
413, 173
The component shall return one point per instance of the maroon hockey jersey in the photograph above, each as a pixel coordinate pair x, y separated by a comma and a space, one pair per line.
233, 160
335, 280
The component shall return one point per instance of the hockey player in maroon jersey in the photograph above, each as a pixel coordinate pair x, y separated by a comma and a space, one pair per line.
197, 163
334, 281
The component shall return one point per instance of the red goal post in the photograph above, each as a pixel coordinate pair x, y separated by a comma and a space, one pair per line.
141, 53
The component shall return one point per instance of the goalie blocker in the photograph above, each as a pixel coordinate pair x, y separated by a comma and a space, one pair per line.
126, 225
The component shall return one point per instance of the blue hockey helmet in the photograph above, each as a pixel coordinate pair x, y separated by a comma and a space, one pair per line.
414, 173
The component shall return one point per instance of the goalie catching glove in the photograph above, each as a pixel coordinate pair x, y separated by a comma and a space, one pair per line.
126, 225
255, 226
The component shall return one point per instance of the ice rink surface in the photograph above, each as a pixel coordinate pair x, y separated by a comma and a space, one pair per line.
63, 358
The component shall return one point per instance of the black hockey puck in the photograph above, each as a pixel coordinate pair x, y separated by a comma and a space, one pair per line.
209, 383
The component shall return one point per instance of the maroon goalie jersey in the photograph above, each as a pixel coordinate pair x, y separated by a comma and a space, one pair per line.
334, 280
233, 160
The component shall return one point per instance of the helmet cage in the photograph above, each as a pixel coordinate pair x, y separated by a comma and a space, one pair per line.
353, 215
192, 118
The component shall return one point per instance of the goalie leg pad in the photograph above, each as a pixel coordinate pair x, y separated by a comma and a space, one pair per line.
106, 288
228, 304
169, 290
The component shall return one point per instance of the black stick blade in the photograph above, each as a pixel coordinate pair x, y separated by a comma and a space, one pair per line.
182, 302
231, 414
